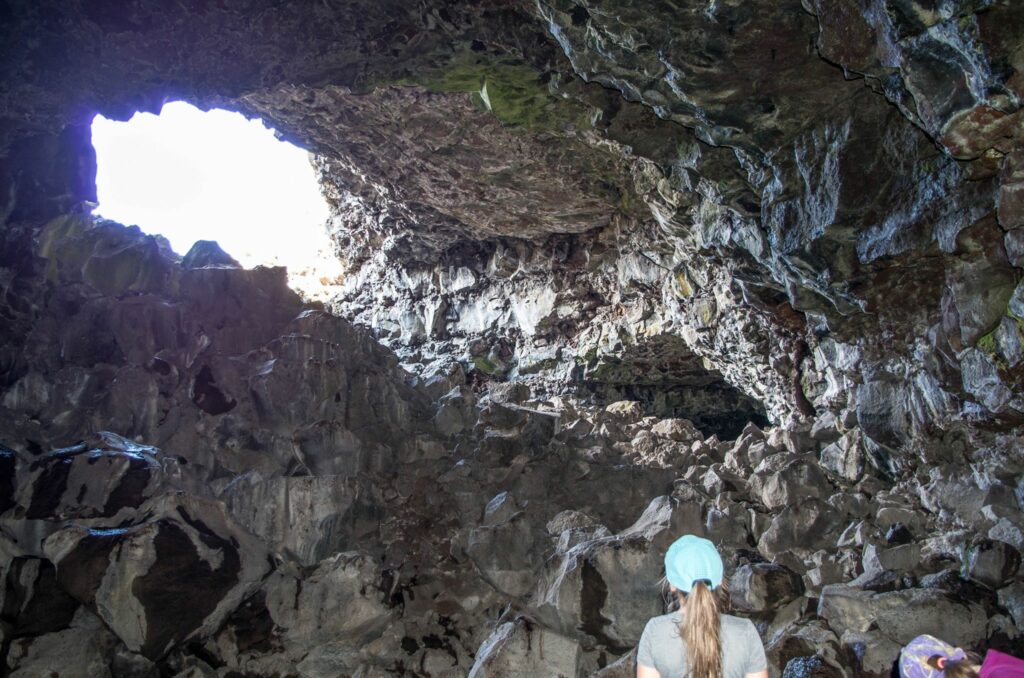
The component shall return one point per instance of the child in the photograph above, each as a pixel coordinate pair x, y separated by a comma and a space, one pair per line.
929, 657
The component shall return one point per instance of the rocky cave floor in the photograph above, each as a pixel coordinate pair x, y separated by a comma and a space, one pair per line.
614, 271
464, 529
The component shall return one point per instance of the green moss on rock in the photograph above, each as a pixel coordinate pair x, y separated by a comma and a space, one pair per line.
987, 343
486, 366
510, 89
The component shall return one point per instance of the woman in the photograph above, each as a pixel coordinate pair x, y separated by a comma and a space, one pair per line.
699, 641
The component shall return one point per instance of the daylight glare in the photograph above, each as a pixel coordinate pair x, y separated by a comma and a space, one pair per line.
193, 175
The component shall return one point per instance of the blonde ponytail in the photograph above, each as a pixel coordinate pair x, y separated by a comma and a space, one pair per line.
701, 631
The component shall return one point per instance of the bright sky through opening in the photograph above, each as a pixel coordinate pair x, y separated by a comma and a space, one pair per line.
192, 175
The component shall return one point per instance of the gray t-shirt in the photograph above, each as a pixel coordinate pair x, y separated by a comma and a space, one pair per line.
662, 648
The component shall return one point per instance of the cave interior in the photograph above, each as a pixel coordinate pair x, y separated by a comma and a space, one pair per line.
613, 272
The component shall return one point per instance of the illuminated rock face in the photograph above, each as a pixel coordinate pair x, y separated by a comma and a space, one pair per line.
615, 272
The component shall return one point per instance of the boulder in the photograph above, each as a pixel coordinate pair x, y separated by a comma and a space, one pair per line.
208, 254
759, 587
811, 666
1012, 599
157, 583
810, 524
340, 603
625, 412
602, 591
846, 457
454, 412
96, 479
875, 654
33, 603
797, 480
900, 616
623, 667
802, 642
904, 558
991, 562
525, 649
500, 509
126, 664
307, 517
507, 555
678, 430
1007, 531
83, 650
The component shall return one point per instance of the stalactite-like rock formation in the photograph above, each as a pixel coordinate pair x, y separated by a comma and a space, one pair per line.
615, 271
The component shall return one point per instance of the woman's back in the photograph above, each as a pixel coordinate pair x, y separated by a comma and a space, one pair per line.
661, 647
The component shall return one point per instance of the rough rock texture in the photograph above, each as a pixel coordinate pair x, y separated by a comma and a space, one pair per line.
615, 271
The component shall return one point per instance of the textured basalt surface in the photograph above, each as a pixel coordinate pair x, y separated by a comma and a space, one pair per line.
614, 271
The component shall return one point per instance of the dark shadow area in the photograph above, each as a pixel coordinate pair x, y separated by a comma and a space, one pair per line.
671, 381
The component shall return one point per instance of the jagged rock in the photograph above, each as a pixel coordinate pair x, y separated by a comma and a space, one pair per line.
567, 520
802, 643
93, 481
332, 613
82, 650
991, 563
679, 430
758, 587
208, 254
904, 558
1007, 531
623, 667
506, 554
796, 480
845, 457
875, 654
900, 616
810, 524
33, 603
601, 590
177, 575
572, 528
129, 665
828, 569
898, 534
1012, 598
454, 413
308, 518
729, 527
501, 509
518, 647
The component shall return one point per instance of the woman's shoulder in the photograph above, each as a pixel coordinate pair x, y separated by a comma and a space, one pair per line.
738, 624
665, 621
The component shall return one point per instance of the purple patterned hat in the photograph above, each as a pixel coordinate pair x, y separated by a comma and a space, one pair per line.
914, 657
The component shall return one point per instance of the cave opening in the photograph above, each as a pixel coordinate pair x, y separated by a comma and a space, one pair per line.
191, 175
669, 380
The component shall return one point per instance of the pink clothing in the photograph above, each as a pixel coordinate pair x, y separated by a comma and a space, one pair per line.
999, 665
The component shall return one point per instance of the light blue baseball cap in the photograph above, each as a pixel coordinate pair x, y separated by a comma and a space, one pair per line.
690, 559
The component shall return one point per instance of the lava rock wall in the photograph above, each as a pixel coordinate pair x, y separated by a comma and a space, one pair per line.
615, 272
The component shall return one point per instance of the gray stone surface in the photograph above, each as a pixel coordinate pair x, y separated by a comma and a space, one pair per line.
613, 272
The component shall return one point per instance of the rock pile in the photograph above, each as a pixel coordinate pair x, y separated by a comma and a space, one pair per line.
370, 522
